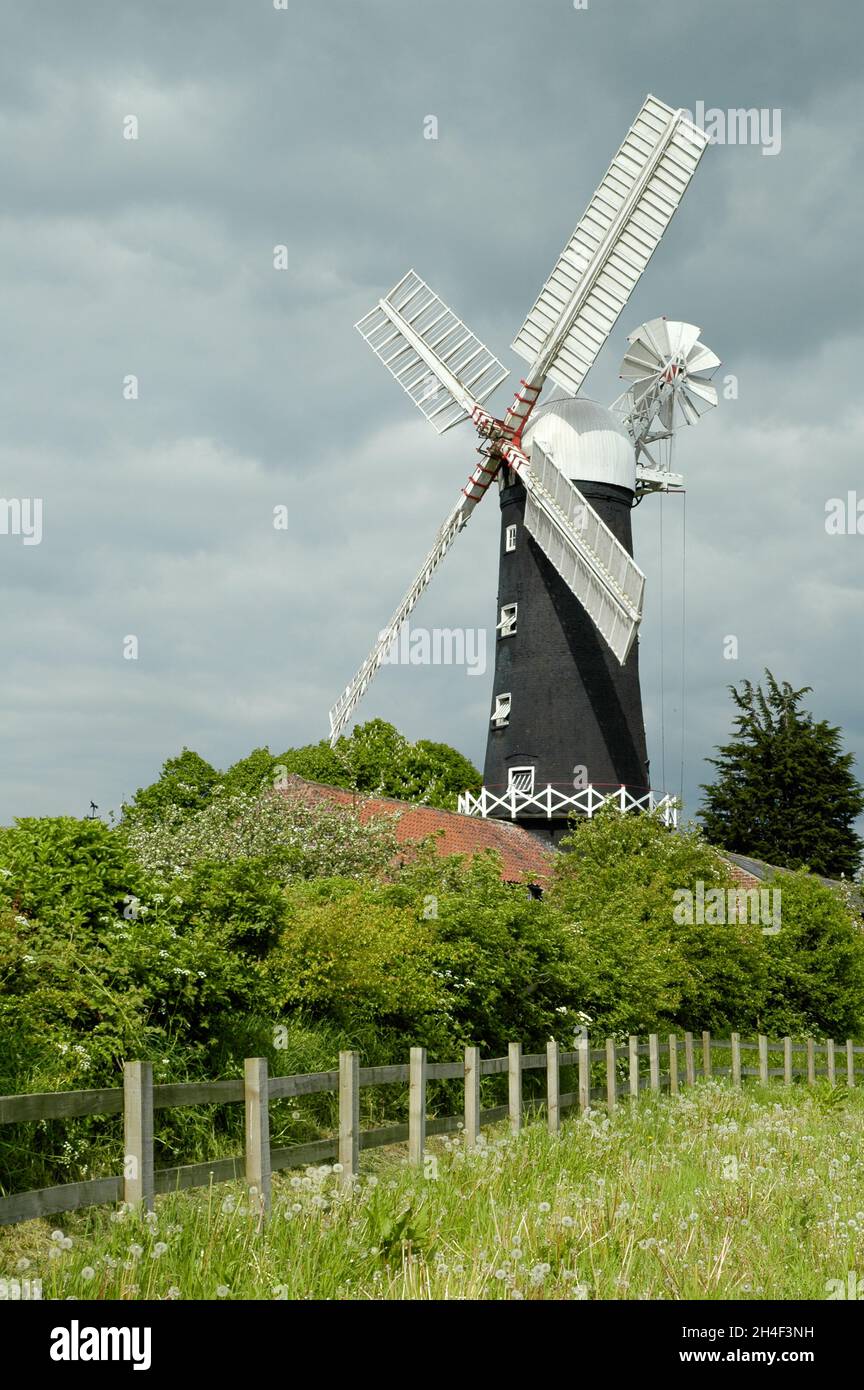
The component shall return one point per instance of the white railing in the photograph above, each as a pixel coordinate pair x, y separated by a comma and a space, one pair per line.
548, 801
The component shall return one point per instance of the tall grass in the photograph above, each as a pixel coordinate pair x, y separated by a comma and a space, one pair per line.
714, 1193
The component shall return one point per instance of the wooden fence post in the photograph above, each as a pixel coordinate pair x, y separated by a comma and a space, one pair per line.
472, 1096
736, 1059
138, 1134
553, 1087
349, 1116
611, 1079
584, 1053
706, 1055
514, 1085
811, 1062
417, 1106
850, 1062
634, 1067
256, 1098
654, 1060
763, 1060
787, 1061
832, 1072
689, 1063
673, 1065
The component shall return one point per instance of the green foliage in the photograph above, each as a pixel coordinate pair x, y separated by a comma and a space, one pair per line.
353, 959
289, 836
815, 976
376, 759
64, 871
616, 887
786, 792
185, 784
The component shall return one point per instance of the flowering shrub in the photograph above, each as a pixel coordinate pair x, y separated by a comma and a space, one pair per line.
280, 830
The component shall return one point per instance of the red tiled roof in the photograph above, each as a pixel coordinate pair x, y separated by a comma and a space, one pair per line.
741, 876
522, 857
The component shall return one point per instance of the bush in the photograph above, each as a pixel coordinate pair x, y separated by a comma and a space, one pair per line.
66, 872
616, 887
815, 963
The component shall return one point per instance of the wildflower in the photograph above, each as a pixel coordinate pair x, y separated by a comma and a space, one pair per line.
514, 1293
222, 1291
338, 1168
22, 1265
136, 1251
173, 1292
228, 1205
57, 1237
158, 1249
88, 1273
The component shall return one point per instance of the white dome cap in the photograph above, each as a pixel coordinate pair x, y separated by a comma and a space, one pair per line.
584, 440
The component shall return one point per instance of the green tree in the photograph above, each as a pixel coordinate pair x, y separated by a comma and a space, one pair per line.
185, 784
617, 888
375, 759
67, 872
785, 791
815, 962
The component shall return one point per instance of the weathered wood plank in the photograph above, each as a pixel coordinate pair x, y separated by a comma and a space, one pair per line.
736, 1059
172, 1096
553, 1087
611, 1080
673, 1064
471, 1067
59, 1105
257, 1130
514, 1085
706, 1055
763, 1059
49, 1201
584, 1074
200, 1174
654, 1060
417, 1106
787, 1061
634, 1066
302, 1085
689, 1061
138, 1134
349, 1116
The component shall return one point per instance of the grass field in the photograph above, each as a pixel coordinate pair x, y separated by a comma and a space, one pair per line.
714, 1193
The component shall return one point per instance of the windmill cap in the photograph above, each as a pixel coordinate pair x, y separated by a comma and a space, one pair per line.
584, 440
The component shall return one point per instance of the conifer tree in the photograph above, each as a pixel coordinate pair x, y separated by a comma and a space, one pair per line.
785, 791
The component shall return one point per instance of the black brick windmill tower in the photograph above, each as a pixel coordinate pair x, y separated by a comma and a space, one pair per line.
566, 730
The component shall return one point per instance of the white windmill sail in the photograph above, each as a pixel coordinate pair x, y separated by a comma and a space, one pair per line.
440, 363
601, 263
590, 559
457, 518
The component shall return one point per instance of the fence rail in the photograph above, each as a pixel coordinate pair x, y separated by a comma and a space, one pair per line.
138, 1099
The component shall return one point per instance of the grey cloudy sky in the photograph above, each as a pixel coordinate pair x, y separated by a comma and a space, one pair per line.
305, 127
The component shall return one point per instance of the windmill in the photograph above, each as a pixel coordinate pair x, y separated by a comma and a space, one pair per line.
566, 729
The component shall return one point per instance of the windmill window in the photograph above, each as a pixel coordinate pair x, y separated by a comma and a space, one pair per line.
510, 538
501, 712
507, 625
520, 779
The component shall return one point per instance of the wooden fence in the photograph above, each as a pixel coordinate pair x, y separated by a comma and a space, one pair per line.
622, 1067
